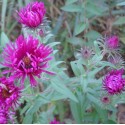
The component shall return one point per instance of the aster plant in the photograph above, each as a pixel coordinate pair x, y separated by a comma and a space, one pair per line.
26, 57
111, 83
31, 56
35, 87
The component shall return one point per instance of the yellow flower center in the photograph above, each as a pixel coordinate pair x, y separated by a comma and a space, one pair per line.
27, 62
5, 93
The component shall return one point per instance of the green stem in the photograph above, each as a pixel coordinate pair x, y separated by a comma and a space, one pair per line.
61, 110
4, 6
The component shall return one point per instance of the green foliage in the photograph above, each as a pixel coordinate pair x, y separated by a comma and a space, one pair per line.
76, 85
72, 8
4, 40
3, 13
119, 21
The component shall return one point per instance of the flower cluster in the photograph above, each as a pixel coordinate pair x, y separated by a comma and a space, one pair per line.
27, 57
113, 82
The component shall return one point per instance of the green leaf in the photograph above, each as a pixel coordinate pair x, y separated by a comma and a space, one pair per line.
95, 71
50, 95
58, 24
70, 1
61, 88
53, 44
46, 39
93, 35
121, 4
80, 66
56, 64
55, 51
103, 114
75, 41
72, 8
9, 14
96, 59
25, 108
75, 109
27, 2
122, 39
97, 49
55, 96
46, 116
93, 99
111, 122
28, 119
83, 82
36, 103
75, 68
120, 21
1, 66
80, 28
4, 39
104, 63
93, 9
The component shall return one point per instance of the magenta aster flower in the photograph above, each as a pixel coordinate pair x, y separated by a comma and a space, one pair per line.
32, 15
54, 121
113, 82
9, 93
6, 116
109, 45
3, 116
27, 57
112, 42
